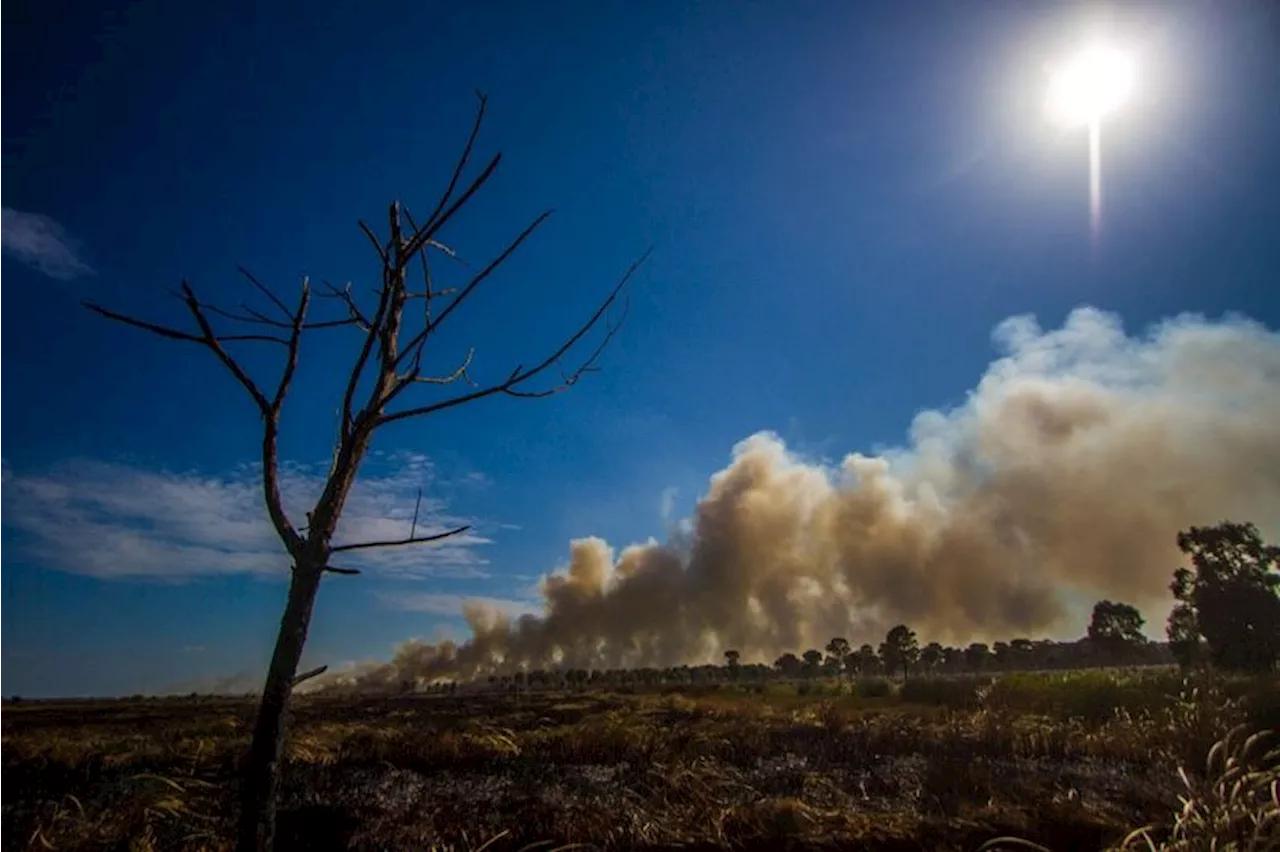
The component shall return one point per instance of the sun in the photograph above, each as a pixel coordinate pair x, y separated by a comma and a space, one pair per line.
1085, 91
1093, 85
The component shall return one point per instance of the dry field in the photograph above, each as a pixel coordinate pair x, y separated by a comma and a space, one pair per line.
1069, 761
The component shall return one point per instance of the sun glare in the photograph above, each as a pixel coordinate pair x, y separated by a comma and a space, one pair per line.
1092, 86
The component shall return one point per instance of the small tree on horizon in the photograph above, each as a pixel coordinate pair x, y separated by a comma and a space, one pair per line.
387, 369
931, 656
1116, 629
976, 656
838, 651
900, 650
733, 661
788, 665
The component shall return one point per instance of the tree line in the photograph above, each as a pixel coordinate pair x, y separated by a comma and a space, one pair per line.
1226, 615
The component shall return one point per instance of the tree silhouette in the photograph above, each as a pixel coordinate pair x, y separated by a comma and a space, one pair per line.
866, 660
899, 650
838, 651
1232, 598
788, 665
976, 656
732, 660
387, 369
1116, 629
812, 662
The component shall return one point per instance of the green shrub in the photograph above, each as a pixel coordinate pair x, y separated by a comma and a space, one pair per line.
1091, 696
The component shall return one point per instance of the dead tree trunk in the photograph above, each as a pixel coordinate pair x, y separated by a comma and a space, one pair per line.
257, 825
387, 365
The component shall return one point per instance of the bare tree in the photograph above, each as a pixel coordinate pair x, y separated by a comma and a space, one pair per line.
388, 365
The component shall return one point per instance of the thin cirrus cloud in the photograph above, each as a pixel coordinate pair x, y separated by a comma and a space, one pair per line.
41, 243
117, 521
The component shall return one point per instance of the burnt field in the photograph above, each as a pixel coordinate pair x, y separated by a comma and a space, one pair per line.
1069, 761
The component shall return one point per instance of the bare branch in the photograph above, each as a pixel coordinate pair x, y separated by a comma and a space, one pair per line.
333, 569
377, 244
461, 164
256, 318
366, 349
420, 338
265, 291
431, 228
460, 373
307, 675
163, 331
211, 340
427, 294
413, 527
175, 334
521, 374
270, 409
295, 338
587, 366
357, 316
410, 540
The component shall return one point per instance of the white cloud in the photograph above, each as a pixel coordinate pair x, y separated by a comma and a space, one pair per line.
667, 503
42, 244
452, 605
116, 520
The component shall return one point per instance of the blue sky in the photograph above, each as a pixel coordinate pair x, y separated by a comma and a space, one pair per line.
844, 200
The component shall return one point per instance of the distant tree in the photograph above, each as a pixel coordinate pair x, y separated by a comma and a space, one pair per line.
976, 656
788, 665
900, 650
838, 651
1231, 598
732, 660
812, 662
377, 390
866, 661
1001, 652
1021, 652
1116, 629
931, 656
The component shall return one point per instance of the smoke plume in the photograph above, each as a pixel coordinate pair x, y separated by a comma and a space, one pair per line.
1066, 473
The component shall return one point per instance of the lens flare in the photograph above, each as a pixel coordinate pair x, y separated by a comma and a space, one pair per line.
1091, 87
1095, 84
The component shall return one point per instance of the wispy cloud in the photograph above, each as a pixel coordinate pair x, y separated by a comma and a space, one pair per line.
42, 244
448, 604
667, 503
115, 520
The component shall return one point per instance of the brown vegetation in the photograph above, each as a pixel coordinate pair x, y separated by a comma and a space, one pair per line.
1070, 760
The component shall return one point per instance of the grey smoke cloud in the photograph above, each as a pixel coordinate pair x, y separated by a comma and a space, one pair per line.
1068, 471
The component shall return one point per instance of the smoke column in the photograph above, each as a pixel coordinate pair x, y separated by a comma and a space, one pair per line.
1067, 472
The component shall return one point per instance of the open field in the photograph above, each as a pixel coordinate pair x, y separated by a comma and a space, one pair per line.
1068, 760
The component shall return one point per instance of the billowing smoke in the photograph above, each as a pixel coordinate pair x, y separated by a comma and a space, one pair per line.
1065, 476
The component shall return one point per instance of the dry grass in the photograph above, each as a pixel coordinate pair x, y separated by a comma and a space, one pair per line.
929, 766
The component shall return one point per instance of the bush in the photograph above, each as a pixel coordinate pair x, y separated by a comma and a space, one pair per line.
872, 687
1091, 696
1262, 704
957, 693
